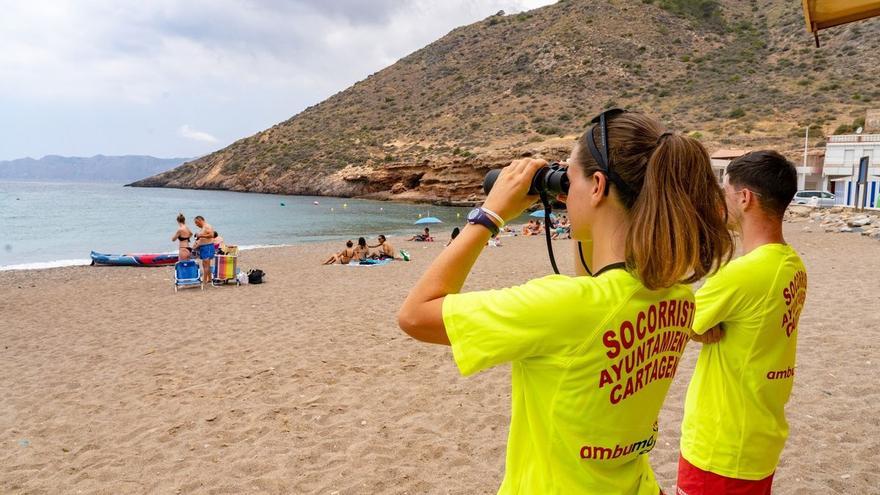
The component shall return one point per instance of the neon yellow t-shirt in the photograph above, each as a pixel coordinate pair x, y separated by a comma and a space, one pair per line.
592, 360
734, 418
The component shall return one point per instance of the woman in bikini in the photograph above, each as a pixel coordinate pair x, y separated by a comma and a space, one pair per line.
344, 256
182, 236
361, 251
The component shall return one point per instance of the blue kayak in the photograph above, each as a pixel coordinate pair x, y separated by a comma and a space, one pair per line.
133, 259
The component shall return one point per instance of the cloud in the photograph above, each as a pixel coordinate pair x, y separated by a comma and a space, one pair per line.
190, 133
236, 66
136, 51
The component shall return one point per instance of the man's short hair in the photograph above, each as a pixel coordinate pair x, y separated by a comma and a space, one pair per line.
767, 173
200, 218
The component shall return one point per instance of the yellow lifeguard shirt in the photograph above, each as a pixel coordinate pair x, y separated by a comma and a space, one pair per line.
734, 420
592, 360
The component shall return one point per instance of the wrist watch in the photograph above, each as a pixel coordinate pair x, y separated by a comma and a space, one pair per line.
478, 216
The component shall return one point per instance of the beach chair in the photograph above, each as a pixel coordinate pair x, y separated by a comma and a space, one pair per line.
187, 273
225, 270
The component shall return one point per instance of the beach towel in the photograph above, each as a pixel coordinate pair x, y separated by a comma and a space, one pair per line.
369, 262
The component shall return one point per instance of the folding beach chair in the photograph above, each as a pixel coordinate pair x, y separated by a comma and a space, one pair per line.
187, 273
225, 270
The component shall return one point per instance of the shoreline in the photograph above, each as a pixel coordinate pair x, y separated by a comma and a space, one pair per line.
375, 196
331, 244
48, 265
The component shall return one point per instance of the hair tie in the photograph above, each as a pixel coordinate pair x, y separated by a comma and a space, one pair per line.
659, 139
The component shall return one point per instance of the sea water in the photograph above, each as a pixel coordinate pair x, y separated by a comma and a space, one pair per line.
57, 224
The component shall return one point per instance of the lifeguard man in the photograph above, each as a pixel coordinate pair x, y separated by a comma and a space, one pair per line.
747, 315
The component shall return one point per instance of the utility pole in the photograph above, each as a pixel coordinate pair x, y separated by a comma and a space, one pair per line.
802, 176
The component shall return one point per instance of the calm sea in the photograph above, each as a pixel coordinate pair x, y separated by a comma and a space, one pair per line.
53, 224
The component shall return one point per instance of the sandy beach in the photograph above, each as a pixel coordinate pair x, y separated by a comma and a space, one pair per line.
114, 384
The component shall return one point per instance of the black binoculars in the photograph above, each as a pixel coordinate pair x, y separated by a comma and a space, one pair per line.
551, 180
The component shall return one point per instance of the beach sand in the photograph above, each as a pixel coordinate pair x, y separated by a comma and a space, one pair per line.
114, 384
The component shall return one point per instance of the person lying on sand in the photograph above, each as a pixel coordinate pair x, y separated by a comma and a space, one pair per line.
344, 256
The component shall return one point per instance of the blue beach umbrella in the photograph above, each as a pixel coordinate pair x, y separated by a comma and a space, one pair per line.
428, 220
540, 214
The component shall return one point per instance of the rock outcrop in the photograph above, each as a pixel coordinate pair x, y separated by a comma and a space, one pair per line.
836, 219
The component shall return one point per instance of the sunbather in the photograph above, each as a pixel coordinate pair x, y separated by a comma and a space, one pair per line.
344, 256
385, 249
426, 237
361, 251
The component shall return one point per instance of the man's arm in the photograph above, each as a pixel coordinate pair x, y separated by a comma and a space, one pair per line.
206, 233
711, 336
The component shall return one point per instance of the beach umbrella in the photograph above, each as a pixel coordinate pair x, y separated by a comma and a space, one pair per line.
428, 220
540, 214
823, 14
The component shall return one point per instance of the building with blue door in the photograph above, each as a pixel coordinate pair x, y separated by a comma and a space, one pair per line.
841, 168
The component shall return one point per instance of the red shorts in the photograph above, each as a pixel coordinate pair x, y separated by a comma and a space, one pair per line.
694, 481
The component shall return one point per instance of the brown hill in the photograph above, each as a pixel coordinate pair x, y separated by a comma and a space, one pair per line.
734, 73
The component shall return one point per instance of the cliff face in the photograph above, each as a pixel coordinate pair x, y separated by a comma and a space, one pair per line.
734, 73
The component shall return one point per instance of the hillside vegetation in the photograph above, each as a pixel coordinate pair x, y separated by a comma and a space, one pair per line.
734, 73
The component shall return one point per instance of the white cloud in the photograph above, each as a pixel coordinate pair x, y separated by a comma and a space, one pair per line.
238, 66
190, 133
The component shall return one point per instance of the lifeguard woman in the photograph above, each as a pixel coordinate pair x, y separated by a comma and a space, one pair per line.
593, 355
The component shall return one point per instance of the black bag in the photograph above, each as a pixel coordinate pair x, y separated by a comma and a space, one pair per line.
255, 276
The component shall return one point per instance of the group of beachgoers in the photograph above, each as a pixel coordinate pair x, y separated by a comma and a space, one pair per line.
207, 244
559, 226
364, 253
593, 355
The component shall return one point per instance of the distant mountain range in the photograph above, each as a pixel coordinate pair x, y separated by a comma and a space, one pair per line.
98, 168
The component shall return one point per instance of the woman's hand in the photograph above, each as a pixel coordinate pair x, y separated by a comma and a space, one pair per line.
509, 196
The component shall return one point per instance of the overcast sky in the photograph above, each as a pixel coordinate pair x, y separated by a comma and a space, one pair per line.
181, 78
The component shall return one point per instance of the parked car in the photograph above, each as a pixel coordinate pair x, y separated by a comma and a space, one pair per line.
823, 198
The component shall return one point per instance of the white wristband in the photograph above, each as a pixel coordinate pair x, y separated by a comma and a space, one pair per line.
497, 217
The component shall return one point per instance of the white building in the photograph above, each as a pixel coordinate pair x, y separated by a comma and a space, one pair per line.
841, 167
721, 159
809, 176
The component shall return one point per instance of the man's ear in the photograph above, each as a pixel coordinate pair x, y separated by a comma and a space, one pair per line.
748, 199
